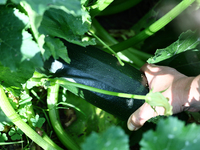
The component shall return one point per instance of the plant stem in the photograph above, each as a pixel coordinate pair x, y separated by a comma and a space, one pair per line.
143, 21
99, 7
154, 27
15, 118
52, 100
30, 112
82, 86
120, 61
124, 5
10, 143
130, 53
102, 33
30, 115
49, 140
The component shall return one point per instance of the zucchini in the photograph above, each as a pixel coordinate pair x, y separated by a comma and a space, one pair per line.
93, 67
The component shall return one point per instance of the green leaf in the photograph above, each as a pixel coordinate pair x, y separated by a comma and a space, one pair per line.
12, 24
57, 26
19, 54
3, 137
3, 118
37, 121
70, 6
3, 1
15, 53
15, 133
1, 127
113, 138
66, 26
24, 106
187, 62
56, 48
171, 134
12, 80
187, 40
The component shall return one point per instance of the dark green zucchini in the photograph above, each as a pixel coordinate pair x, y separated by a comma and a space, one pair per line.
93, 67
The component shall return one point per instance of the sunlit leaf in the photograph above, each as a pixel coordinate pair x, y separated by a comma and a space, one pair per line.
187, 40
57, 23
187, 62
3, 1
72, 6
172, 134
113, 138
19, 54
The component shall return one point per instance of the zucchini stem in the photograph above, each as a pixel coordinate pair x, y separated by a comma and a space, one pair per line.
52, 100
99, 6
153, 99
86, 87
120, 61
154, 27
133, 54
124, 5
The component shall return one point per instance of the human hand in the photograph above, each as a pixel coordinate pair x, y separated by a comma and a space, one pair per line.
176, 87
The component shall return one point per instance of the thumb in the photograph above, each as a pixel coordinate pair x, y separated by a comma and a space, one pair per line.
141, 115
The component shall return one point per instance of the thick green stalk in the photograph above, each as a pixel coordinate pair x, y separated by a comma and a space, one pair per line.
109, 40
131, 53
124, 5
49, 140
143, 21
154, 27
15, 118
52, 100
100, 6
102, 33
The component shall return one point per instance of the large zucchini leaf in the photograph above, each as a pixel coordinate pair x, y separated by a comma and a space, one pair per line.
172, 134
183, 55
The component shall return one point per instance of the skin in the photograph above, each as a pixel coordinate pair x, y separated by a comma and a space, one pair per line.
183, 93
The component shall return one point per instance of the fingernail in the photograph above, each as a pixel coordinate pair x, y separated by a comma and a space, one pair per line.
132, 127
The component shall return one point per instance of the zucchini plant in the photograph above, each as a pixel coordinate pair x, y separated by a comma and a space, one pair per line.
56, 56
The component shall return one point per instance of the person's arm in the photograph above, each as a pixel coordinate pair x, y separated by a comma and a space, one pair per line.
182, 92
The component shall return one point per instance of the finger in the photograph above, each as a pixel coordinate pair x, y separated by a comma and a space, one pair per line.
150, 71
148, 67
140, 116
143, 68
